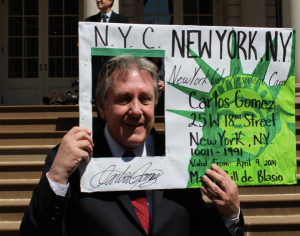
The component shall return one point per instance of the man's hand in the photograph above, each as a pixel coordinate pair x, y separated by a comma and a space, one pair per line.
225, 196
161, 85
76, 145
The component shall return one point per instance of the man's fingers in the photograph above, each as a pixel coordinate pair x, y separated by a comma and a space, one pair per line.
82, 135
224, 181
86, 146
225, 195
214, 188
77, 129
218, 169
85, 156
81, 155
210, 195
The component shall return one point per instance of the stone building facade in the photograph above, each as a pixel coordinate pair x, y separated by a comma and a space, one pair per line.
39, 41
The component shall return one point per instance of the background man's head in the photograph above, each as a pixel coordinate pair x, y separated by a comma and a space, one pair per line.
104, 5
126, 95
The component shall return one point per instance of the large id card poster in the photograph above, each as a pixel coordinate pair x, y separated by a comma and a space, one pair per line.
229, 100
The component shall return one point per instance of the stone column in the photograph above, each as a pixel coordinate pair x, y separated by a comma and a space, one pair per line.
90, 8
253, 13
116, 7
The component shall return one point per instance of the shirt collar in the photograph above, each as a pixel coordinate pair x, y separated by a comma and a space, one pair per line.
143, 150
108, 14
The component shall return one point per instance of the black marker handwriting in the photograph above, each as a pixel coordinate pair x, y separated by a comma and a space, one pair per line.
143, 176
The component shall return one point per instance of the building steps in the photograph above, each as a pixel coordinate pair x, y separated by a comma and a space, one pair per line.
9, 228
27, 133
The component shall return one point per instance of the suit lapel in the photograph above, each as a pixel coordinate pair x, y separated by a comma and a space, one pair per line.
113, 18
126, 203
156, 199
97, 17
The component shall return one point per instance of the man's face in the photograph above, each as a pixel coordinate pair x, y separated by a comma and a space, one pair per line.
130, 110
103, 5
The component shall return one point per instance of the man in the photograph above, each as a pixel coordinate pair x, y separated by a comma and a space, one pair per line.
126, 96
106, 14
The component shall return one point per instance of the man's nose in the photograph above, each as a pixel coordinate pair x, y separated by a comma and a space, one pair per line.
135, 108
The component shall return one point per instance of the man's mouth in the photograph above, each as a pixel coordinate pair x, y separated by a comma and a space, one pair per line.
134, 125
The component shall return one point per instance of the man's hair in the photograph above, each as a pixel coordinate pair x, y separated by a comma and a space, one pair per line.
123, 64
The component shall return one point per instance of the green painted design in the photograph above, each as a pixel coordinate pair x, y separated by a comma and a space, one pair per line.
275, 142
188, 91
205, 67
84, 63
122, 51
83, 89
187, 114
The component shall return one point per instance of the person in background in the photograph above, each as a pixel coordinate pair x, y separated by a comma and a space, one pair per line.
106, 14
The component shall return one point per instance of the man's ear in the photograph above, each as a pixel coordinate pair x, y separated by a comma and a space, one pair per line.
101, 110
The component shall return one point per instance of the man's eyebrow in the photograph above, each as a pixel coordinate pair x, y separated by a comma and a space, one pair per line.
121, 93
147, 94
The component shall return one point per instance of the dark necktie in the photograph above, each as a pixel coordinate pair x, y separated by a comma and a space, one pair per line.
139, 202
104, 18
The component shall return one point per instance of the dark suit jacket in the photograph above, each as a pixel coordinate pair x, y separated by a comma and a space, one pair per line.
175, 212
114, 18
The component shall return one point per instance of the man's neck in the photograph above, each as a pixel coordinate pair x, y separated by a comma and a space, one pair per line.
105, 11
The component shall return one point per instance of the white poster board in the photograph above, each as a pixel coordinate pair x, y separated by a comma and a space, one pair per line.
229, 100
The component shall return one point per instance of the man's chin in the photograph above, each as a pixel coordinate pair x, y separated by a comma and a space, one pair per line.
131, 139
132, 143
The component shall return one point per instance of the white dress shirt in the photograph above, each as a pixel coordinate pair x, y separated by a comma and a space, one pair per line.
108, 16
